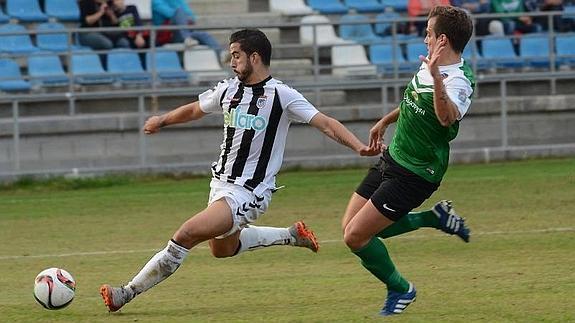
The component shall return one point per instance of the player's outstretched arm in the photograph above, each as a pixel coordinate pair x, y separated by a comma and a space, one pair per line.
184, 113
338, 132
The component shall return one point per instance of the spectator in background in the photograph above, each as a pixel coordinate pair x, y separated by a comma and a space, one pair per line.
98, 13
177, 12
547, 5
476, 7
512, 25
129, 17
421, 8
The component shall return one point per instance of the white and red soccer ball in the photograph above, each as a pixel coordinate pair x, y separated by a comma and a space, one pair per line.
54, 288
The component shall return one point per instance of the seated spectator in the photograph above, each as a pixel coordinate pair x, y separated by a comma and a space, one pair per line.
128, 17
476, 7
421, 8
177, 12
547, 5
512, 25
98, 13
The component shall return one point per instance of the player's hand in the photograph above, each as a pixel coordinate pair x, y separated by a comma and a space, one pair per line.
153, 125
434, 55
376, 134
369, 151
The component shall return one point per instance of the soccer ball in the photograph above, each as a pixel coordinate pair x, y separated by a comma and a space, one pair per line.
54, 288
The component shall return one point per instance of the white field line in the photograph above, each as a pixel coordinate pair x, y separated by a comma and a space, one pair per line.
99, 253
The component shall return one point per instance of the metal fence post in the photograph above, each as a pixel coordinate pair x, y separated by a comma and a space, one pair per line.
16, 136
141, 136
504, 120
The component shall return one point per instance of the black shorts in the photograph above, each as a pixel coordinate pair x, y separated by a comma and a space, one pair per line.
393, 189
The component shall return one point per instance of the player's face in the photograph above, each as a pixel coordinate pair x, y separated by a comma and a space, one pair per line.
430, 36
240, 62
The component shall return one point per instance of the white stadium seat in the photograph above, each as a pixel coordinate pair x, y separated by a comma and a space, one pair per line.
290, 8
203, 64
350, 61
325, 34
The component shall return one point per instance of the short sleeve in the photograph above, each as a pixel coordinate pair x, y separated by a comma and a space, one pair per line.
210, 100
298, 108
459, 91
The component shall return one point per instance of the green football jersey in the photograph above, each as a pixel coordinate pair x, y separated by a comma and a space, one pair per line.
421, 143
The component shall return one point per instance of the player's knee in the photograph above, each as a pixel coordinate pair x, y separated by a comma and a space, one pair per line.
353, 238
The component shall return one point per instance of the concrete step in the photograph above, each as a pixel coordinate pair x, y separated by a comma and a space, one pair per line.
215, 7
287, 68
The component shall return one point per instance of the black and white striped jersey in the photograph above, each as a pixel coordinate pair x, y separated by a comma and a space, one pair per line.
256, 122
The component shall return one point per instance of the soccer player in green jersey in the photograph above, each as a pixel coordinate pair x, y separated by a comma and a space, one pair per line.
412, 167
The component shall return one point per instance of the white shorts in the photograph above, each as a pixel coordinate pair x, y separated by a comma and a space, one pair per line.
246, 206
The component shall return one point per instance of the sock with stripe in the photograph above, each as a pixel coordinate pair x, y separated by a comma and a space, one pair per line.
412, 221
161, 266
375, 258
253, 237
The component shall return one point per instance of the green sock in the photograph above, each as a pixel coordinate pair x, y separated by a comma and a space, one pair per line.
374, 257
412, 221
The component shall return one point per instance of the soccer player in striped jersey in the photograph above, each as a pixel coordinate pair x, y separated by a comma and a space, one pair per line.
257, 110
412, 167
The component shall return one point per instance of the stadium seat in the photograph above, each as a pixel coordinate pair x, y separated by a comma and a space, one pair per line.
351, 61
167, 66
415, 48
87, 69
329, 7
204, 65
324, 31
360, 31
364, 5
45, 69
565, 49
3, 17
385, 26
10, 76
64, 10
144, 8
126, 66
472, 56
56, 42
25, 10
290, 8
534, 49
15, 40
397, 5
382, 55
499, 53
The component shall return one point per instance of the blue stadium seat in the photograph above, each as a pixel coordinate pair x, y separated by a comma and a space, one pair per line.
10, 76
415, 48
471, 53
360, 31
14, 41
327, 6
397, 5
364, 5
45, 69
87, 69
384, 27
64, 10
56, 42
534, 49
168, 66
565, 49
499, 53
25, 10
3, 17
381, 55
127, 67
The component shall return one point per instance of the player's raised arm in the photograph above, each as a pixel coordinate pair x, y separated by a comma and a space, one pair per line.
184, 113
338, 132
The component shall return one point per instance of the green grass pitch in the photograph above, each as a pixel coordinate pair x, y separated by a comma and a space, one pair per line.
519, 266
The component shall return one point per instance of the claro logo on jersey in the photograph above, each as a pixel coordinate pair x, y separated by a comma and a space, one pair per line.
237, 119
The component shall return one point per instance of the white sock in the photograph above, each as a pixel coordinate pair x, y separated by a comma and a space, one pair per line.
252, 238
160, 267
